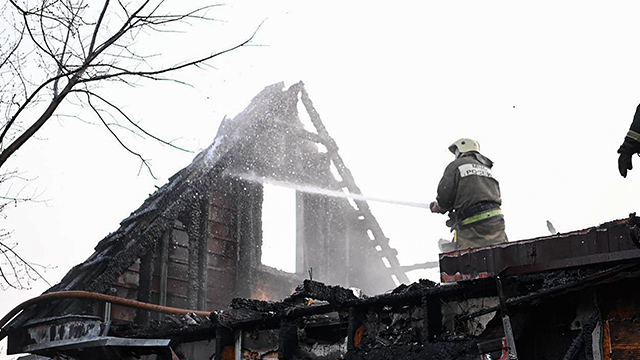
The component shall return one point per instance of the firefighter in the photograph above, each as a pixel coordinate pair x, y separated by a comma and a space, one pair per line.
630, 146
471, 195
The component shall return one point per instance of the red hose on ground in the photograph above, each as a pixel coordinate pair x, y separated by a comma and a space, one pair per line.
95, 296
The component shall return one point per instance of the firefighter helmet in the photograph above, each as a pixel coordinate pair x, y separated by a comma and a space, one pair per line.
463, 146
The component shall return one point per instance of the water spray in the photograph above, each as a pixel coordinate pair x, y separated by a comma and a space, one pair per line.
320, 191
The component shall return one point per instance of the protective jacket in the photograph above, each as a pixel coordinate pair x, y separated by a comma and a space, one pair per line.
634, 130
467, 182
630, 146
635, 125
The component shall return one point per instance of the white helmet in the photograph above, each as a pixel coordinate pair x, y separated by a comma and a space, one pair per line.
463, 146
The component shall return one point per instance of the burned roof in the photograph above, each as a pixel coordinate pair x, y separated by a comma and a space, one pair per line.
244, 145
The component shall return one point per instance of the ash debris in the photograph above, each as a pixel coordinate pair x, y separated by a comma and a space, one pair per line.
308, 293
417, 287
335, 295
463, 350
257, 305
166, 326
398, 333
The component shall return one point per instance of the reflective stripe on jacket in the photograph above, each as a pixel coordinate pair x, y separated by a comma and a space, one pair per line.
633, 135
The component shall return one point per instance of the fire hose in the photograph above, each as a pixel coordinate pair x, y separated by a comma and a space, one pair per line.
94, 296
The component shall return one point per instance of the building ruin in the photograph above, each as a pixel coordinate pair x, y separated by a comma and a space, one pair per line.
196, 244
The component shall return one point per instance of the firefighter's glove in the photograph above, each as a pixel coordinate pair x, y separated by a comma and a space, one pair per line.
626, 150
435, 208
452, 223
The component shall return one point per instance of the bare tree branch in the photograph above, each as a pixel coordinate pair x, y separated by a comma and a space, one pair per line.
57, 48
169, 69
97, 27
8, 249
97, 112
119, 110
13, 49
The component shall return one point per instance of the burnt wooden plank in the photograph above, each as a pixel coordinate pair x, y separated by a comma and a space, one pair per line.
180, 237
355, 330
217, 198
219, 214
602, 241
287, 340
592, 242
432, 318
624, 238
498, 260
477, 262
180, 253
579, 246
624, 336
531, 253
221, 247
614, 241
194, 232
144, 287
563, 248
177, 301
224, 348
545, 250
164, 267
219, 228
203, 256
177, 270
510, 255
177, 287
490, 261
220, 276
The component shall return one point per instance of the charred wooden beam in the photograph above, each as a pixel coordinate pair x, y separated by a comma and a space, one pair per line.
202, 254
268, 315
432, 318
288, 340
583, 337
319, 291
506, 321
248, 230
144, 286
266, 320
356, 329
224, 348
194, 231
604, 274
164, 267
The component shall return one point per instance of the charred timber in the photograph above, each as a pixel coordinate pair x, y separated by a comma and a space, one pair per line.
602, 275
332, 294
267, 315
582, 338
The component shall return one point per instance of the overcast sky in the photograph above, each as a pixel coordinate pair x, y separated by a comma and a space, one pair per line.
548, 88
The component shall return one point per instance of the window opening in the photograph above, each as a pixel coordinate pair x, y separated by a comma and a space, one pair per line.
279, 228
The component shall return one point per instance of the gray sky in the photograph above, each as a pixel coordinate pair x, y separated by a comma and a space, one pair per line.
547, 88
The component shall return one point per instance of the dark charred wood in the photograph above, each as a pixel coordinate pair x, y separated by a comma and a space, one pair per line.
563, 287
257, 305
432, 315
287, 340
316, 290
357, 316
